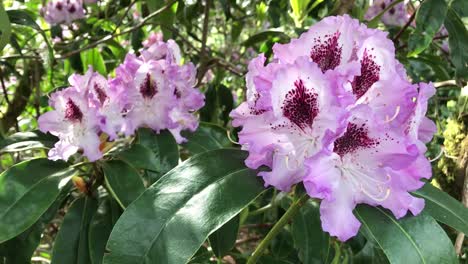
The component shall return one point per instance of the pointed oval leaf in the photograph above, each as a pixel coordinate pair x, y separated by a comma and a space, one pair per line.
444, 208
309, 239
71, 244
207, 137
412, 239
224, 239
164, 147
100, 229
140, 157
429, 19
458, 42
27, 140
21, 248
27, 190
173, 217
123, 181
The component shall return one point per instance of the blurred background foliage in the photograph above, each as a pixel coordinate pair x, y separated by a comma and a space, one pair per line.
220, 37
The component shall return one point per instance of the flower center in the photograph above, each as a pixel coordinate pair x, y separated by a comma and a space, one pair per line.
354, 138
327, 54
72, 8
148, 88
300, 105
369, 75
72, 111
102, 96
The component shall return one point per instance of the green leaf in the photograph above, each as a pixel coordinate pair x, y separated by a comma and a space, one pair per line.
27, 140
71, 244
266, 35
458, 43
93, 58
27, 190
224, 239
309, 239
429, 18
21, 248
164, 146
100, 229
206, 137
166, 17
370, 254
5, 30
123, 181
226, 102
412, 239
140, 157
444, 208
173, 217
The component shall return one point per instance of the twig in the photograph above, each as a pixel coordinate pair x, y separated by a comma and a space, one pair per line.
4, 88
445, 83
410, 20
205, 27
124, 15
129, 30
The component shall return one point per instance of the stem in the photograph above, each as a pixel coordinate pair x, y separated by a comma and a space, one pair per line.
292, 210
410, 20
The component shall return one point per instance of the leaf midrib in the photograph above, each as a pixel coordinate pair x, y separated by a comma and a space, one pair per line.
405, 233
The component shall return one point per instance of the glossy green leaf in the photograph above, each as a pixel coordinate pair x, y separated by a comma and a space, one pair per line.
224, 239
27, 190
20, 249
412, 239
140, 157
173, 217
71, 244
27, 140
458, 43
225, 102
207, 137
100, 229
5, 30
444, 208
309, 239
429, 18
93, 58
123, 181
164, 146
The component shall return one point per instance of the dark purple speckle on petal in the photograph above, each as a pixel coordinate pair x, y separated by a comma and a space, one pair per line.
300, 105
326, 52
72, 111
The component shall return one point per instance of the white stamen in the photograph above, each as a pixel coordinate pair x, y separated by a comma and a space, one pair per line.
378, 199
397, 111
228, 132
442, 151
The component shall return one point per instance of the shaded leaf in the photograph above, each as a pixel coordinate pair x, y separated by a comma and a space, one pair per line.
140, 157
264, 36
5, 30
71, 244
458, 43
309, 239
123, 181
224, 239
164, 147
100, 229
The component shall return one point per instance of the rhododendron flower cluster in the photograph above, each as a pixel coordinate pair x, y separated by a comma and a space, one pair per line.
153, 90
334, 110
62, 11
398, 15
